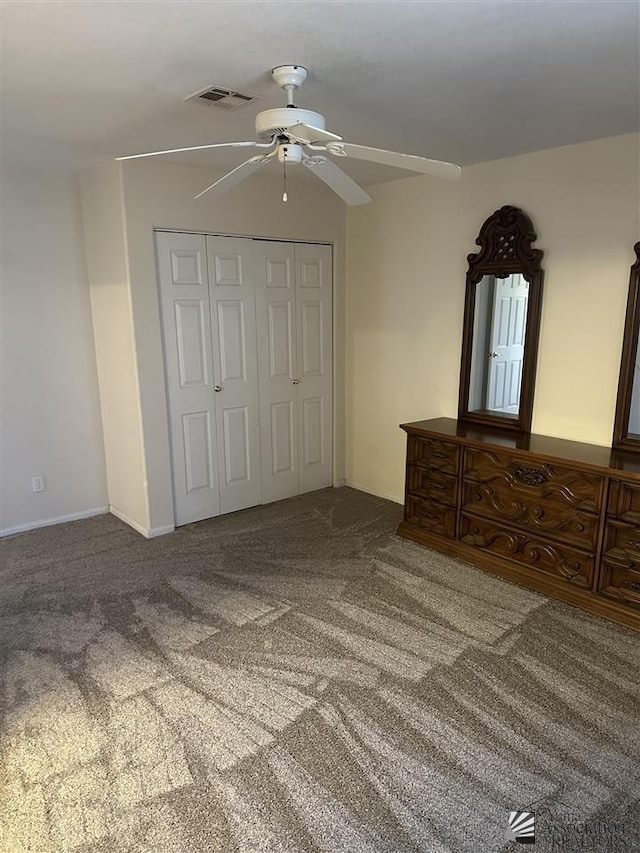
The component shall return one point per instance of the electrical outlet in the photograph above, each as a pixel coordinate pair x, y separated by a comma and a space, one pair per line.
38, 483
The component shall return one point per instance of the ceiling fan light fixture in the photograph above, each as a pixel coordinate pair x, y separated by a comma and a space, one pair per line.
290, 152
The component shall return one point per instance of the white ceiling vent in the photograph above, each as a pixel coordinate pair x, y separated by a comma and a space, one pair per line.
220, 96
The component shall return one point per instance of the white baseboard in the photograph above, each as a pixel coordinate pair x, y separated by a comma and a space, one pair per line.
394, 498
339, 484
160, 531
145, 531
60, 519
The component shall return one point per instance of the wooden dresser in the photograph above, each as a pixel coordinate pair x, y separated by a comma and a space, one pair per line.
557, 516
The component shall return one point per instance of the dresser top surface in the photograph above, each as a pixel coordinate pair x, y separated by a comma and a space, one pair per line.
593, 455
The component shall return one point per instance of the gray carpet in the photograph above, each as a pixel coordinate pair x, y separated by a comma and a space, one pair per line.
297, 678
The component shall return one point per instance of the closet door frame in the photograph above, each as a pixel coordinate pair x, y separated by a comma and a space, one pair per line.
334, 324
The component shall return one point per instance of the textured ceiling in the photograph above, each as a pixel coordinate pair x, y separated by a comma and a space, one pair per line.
456, 80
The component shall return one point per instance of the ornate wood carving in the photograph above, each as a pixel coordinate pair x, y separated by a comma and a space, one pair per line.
619, 580
432, 485
553, 484
430, 516
505, 241
624, 502
506, 246
581, 528
622, 544
543, 554
440, 455
621, 436
529, 476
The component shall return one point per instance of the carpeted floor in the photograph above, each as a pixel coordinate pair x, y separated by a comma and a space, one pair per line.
297, 678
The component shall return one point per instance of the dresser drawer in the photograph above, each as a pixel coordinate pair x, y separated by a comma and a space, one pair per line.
533, 483
620, 575
552, 558
430, 516
514, 506
432, 485
433, 454
622, 543
620, 580
624, 501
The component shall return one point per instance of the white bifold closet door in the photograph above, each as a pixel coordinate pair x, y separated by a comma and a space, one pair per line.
208, 314
248, 359
293, 307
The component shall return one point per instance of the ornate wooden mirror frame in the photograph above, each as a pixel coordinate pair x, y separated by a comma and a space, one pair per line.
505, 242
623, 439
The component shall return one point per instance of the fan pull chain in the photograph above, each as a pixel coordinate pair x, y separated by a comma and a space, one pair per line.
285, 197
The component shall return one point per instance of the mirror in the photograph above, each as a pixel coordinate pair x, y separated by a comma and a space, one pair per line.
501, 324
626, 431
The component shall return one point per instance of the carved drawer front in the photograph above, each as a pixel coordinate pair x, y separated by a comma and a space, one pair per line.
433, 454
620, 578
622, 543
432, 485
621, 581
530, 551
430, 516
530, 481
505, 503
624, 501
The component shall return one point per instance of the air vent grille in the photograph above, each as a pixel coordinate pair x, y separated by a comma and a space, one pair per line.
220, 96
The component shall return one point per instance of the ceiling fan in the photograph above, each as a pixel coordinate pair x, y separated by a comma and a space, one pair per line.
294, 136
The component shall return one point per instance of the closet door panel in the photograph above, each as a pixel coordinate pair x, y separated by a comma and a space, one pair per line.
282, 438
277, 355
315, 365
184, 302
235, 365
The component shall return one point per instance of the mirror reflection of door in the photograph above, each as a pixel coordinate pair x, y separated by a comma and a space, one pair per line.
498, 344
506, 344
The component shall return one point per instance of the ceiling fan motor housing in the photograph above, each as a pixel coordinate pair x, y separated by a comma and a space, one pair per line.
270, 123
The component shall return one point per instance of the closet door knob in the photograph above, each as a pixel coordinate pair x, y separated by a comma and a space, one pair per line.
295, 381
217, 387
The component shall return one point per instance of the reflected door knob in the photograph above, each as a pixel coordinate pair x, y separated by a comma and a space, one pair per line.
493, 354
217, 387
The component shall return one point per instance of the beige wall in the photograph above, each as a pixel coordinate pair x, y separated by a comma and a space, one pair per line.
102, 202
160, 195
406, 264
50, 409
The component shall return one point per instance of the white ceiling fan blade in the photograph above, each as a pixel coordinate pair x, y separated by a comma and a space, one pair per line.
436, 168
197, 148
307, 134
340, 183
238, 174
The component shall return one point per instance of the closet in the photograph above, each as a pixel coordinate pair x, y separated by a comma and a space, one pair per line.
247, 334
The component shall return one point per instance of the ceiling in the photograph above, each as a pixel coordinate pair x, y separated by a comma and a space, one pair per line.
454, 80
